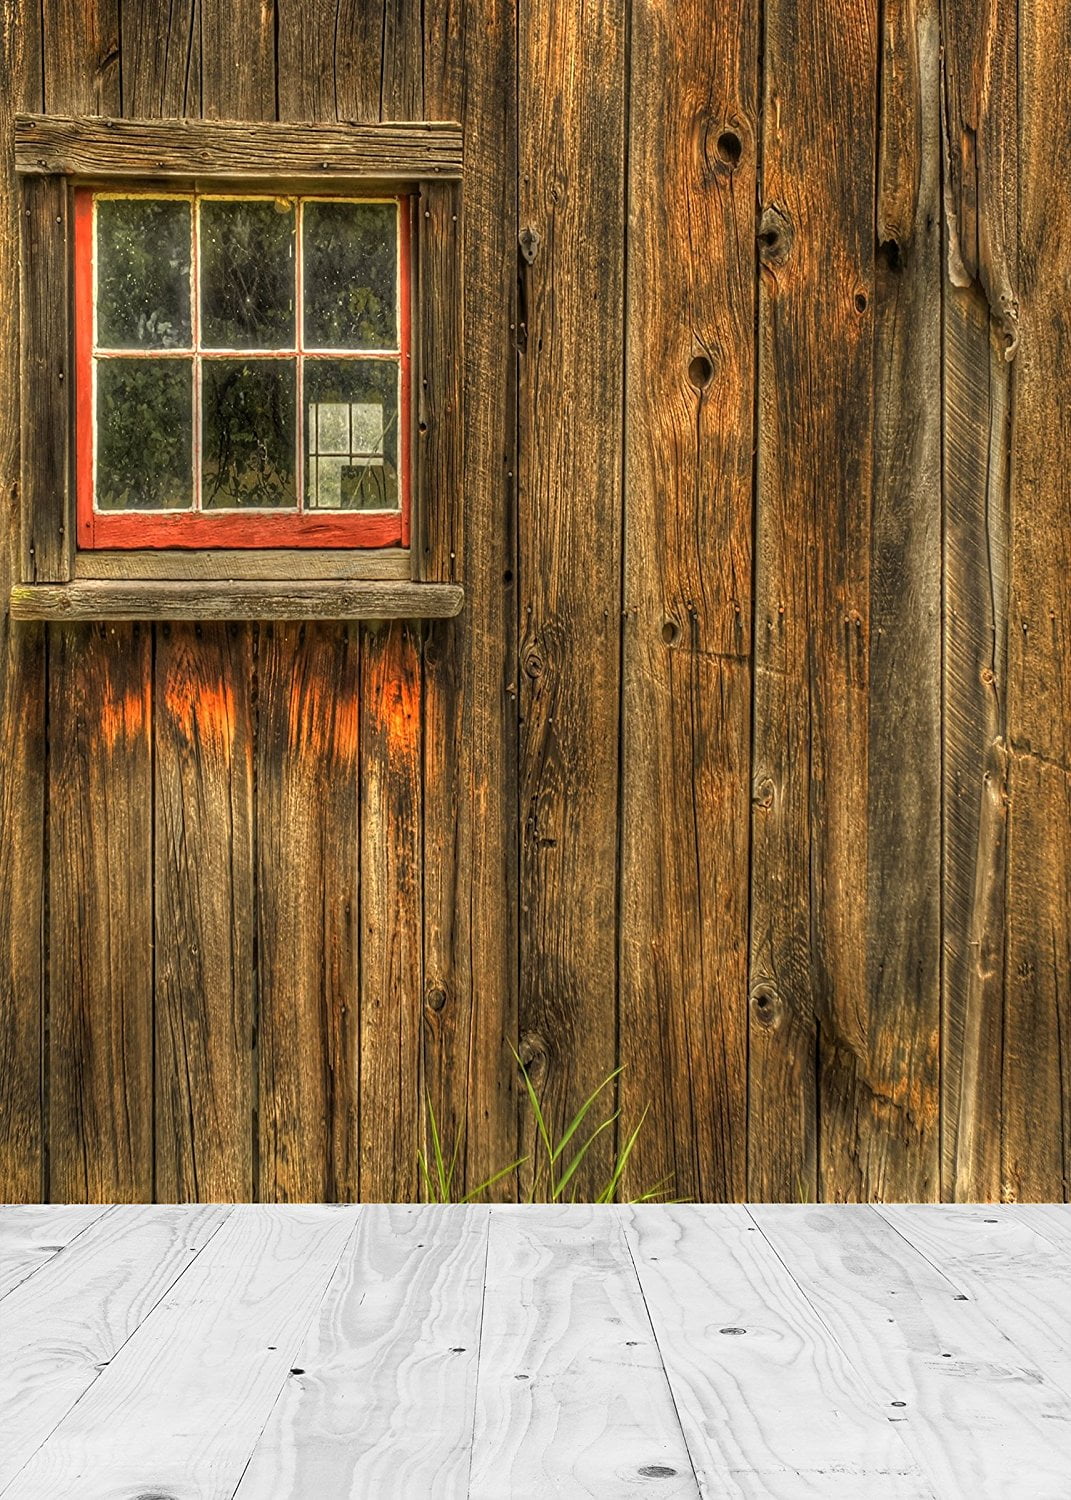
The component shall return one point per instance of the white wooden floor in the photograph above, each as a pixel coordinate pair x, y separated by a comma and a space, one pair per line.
393, 1353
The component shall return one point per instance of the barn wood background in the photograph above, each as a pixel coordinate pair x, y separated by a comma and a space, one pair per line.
747, 765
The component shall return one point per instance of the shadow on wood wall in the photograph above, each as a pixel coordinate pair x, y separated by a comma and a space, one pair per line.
746, 766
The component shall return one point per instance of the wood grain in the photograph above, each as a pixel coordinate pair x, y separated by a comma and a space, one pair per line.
64, 1325
31, 1236
268, 563
891, 1114
896, 1317
385, 1402
571, 1395
50, 144
203, 876
307, 913
234, 599
769, 1403
470, 667
686, 686
1036, 1077
226, 1335
571, 100
22, 702
809, 1037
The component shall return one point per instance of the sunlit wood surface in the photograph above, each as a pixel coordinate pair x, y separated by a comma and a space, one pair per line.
405, 1353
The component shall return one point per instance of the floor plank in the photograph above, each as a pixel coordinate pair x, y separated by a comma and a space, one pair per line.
1020, 1281
978, 1420
770, 1406
178, 1411
384, 1407
31, 1235
571, 1398
64, 1324
1051, 1220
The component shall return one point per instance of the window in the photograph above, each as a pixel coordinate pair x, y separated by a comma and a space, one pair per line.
243, 369
241, 388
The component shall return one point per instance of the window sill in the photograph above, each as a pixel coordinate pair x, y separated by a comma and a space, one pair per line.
333, 599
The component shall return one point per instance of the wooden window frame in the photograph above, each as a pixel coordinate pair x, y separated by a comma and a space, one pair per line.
57, 157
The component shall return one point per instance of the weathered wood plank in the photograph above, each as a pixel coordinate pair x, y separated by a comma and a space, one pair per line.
180, 1405
896, 1318
390, 1361
51, 144
768, 1401
100, 933
100, 927
63, 1326
203, 873
161, 56
571, 71
22, 698
810, 1049
891, 1113
1036, 1099
571, 1395
979, 332
1014, 1275
470, 667
391, 917
235, 599
307, 913
297, 565
32, 1234
686, 684
47, 368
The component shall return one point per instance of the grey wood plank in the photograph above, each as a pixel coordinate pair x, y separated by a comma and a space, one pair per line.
30, 1235
178, 1409
51, 144
235, 599
1051, 1220
572, 1398
65, 1324
384, 1405
770, 1405
977, 1418
1020, 1280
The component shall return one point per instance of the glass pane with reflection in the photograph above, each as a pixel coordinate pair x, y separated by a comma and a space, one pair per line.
248, 438
351, 434
143, 273
144, 434
247, 273
351, 275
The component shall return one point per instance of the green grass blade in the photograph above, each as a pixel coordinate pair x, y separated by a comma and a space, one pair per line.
581, 1114
607, 1194
567, 1175
490, 1181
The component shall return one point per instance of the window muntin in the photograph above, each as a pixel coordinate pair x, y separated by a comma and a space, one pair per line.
280, 326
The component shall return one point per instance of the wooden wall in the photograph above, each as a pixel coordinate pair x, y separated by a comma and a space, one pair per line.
747, 765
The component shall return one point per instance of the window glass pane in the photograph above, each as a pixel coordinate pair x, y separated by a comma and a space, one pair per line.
351, 434
247, 274
143, 273
248, 438
351, 275
144, 434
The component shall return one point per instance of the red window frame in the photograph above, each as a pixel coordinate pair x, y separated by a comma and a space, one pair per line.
231, 528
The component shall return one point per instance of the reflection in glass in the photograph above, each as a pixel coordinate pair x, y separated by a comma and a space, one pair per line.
248, 440
351, 434
143, 273
247, 273
144, 434
351, 275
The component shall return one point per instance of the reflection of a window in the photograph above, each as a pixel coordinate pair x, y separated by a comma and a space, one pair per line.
346, 455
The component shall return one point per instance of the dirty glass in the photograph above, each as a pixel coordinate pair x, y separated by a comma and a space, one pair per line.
351, 275
144, 434
351, 434
248, 437
143, 273
247, 273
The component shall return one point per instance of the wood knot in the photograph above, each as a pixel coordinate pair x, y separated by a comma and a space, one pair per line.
435, 998
657, 1471
775, 236
767, 1006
